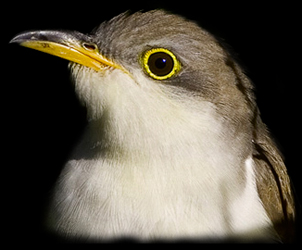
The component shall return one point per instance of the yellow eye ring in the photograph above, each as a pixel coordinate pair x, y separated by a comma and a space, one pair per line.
160, 63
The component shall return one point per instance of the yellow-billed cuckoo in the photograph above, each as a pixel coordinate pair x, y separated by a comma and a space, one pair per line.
174, 147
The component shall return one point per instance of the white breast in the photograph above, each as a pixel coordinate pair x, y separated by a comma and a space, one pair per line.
180, 192
157, 170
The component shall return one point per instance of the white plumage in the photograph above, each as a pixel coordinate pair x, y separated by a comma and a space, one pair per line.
149, 172
174, 147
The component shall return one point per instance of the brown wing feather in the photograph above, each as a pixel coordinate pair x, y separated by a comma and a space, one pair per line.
273, 183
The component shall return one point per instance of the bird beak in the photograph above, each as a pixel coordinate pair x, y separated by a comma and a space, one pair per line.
70, 45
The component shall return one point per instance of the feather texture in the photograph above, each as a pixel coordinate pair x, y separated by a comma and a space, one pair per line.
186, 157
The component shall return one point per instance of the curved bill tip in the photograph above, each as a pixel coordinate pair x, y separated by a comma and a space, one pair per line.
70, 45
25, 36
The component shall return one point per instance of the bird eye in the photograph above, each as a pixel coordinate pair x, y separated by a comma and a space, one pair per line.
160, 63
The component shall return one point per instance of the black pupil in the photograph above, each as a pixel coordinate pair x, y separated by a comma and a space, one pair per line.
160, 63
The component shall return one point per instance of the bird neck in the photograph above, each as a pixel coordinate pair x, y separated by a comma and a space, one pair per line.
167, 136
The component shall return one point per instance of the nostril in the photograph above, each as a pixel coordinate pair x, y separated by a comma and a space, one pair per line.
90, 46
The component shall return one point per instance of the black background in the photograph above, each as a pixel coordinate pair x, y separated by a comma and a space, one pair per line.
42, 119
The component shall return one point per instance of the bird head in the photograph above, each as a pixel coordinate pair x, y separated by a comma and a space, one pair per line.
153, 72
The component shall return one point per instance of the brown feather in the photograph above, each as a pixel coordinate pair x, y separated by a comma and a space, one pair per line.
273, 183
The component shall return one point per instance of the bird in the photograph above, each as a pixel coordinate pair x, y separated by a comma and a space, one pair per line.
174, 146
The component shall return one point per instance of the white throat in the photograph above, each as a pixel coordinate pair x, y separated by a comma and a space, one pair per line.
150, 168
